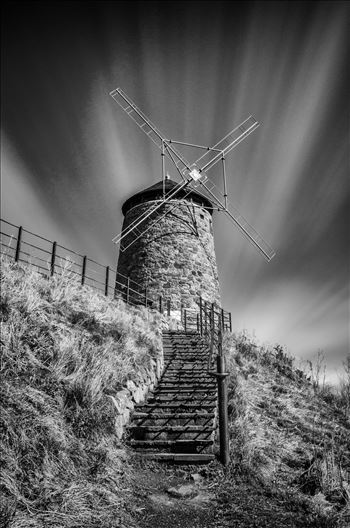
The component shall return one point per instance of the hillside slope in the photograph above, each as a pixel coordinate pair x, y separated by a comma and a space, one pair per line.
67, 351
289, 435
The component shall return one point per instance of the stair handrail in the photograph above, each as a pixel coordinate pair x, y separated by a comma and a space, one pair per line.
213, 321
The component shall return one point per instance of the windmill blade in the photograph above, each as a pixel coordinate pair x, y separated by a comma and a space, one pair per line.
226, 144
193, 174
140, 219
148, 128
158, 217
235, 216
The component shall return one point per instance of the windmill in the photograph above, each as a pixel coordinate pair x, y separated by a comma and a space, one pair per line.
192, 175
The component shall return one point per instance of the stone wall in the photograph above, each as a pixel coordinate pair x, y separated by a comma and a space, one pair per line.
175, 257
135, 392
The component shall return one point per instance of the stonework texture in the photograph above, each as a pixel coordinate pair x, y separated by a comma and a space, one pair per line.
174, 258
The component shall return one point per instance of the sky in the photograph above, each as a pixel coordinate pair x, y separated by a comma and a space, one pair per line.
70, 156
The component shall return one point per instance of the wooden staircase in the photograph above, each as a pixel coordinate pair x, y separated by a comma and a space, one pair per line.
178, 420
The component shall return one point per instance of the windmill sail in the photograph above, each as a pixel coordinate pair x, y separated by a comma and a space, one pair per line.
243, 225
137, 223
192, 174
155, 218
226, 144
149, 128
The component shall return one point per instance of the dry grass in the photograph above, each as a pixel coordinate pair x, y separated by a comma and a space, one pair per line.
289, 433
64, 350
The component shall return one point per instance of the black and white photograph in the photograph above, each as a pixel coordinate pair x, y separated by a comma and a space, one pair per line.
175, 264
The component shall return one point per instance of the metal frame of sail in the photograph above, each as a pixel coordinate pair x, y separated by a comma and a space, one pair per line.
159, 139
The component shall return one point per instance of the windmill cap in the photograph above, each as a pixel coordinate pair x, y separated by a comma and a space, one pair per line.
156, 191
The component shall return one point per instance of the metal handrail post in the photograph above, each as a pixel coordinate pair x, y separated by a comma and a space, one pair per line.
222, 404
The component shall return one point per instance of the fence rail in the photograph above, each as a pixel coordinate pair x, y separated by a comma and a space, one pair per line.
49, 256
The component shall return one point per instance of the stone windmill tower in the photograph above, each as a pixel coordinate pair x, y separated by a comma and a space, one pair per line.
166, 243
175, 256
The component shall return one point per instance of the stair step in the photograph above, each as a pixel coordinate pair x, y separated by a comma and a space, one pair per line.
177, 422
166, 433
176, 406
184, 387
185, 395
173, 428
174, 422
179, 400
174, 415
178, 389
181, 458
169, 443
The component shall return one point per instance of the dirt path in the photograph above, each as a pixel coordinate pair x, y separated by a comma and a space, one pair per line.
197, 497
173, 497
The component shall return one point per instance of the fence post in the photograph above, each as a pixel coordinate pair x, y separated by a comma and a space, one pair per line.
168, 303
222, 404
107, 281
185, 319
206, 317
197, 317
127, 290
230, 319
18, 246
160, 304
83, 271
53, 257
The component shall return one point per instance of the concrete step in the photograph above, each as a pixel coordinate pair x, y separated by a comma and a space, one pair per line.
173, 428
177, 422
177, 407
182, 417
185, 389
182, 399
180, 458
174, 422
176, 446
176, 433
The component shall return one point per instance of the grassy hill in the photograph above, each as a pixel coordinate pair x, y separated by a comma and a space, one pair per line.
66, 351
289, 433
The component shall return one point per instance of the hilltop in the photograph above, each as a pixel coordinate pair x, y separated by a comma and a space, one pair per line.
68, 351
